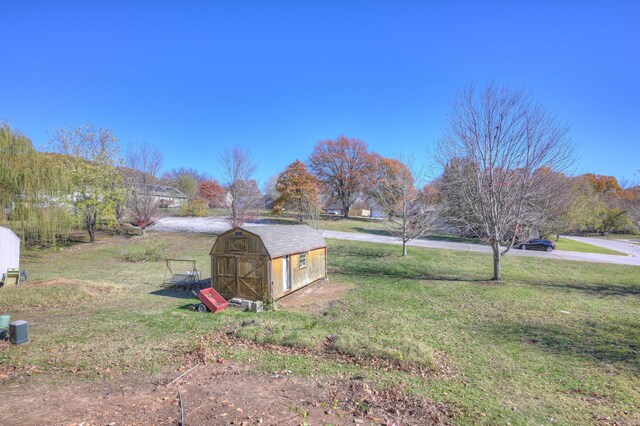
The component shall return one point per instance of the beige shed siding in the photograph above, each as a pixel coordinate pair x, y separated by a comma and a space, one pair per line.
276, 278
315, 270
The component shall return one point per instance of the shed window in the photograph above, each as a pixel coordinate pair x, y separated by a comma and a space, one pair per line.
303, 260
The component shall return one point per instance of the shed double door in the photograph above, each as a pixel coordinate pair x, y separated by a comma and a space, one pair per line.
241, 276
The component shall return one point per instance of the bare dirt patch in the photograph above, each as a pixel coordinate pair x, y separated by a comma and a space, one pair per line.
316, 297
220, 393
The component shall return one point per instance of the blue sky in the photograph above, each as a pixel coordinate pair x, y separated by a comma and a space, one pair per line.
275, 77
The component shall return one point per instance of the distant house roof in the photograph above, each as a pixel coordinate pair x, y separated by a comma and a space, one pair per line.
166, 191
280, 240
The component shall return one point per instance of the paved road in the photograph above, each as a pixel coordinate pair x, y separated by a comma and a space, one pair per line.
618, 245
217, 225
632, 259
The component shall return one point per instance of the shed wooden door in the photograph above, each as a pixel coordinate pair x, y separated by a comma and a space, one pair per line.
241, 276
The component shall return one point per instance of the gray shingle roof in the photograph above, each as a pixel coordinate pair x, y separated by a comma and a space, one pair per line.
166, 191
281, 240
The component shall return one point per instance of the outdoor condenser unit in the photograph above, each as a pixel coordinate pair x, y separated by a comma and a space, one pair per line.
19, 332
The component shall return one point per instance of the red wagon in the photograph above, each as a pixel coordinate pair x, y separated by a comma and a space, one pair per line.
212, 300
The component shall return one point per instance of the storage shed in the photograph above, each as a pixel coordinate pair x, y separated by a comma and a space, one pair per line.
9, 251
267, 262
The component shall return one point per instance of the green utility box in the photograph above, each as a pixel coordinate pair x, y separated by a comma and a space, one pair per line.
4, 326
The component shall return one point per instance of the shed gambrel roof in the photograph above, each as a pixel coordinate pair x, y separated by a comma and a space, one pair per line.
280, 240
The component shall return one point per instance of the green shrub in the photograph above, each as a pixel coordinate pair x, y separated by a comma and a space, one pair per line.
194, 208
146, 253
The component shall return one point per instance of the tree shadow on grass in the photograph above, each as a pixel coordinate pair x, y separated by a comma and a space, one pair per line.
382, 232
176, 293
364, 271
454, 239
599, 289
609, 343
275, 221
416, 272
366, 268
365, 252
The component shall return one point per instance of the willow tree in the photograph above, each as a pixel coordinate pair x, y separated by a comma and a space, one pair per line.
92, 165
31, 187
492, 153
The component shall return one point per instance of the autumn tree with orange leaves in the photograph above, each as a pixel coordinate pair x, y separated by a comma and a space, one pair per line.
298, 191
613, 205
342, 165
211, 192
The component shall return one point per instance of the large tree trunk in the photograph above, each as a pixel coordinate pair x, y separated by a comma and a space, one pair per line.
91, 229
497, 269
345, 208
90, 220
404, 248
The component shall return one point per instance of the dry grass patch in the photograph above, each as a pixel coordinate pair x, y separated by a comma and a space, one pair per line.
316, 297
51, 294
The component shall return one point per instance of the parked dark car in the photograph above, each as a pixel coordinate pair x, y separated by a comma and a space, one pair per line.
537, 244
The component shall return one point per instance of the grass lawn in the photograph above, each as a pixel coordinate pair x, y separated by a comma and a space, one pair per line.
367, 226
572, 245
557, 341
631, 237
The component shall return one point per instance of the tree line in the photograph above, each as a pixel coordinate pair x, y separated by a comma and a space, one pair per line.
85, 181
505, 173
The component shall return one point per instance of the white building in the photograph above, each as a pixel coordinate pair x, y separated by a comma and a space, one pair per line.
167, 196
9, 250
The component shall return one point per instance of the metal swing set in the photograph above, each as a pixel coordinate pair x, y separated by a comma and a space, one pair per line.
175, 277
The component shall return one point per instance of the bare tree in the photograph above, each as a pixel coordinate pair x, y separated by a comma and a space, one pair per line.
243, 198
635, 207
143, 163
270, 192
496, 144
411, 212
